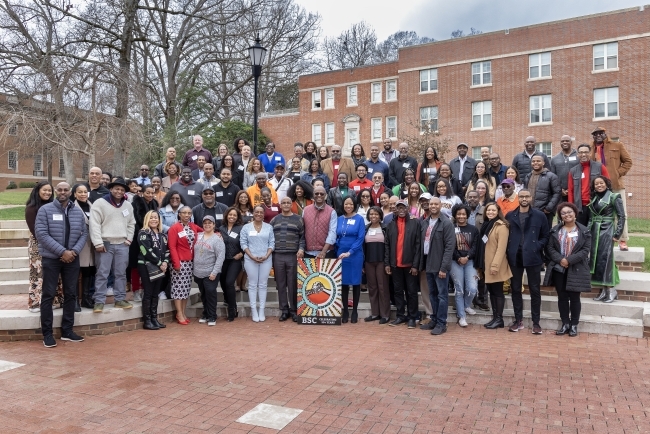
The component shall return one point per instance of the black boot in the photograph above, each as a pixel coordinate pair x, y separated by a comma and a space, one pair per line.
77, 308
345, 292
498, 323
356, 295
494, 311
563, 330
154, 312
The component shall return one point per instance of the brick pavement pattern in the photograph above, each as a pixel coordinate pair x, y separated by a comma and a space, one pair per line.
361, 378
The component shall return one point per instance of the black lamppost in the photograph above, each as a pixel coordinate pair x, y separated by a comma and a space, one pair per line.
257, 54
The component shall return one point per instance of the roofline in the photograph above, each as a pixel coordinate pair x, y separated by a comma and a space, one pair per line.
350, 69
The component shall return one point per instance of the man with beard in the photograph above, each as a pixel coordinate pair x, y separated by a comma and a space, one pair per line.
337, 164
376, 165
170, 157
388, 153
564, 161
225, 190
209, 207
189, 190
337, 195
320, 227
522, 162
544, 188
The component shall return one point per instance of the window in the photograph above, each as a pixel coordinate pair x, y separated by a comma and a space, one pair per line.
375, 133
329, 98
38, 163
606, 102
606, 56
391, 127
61, 168
429, 118
375, 92
428, 80
540, 109
539, 65
481, 73
482, 114
352, 95
84, 167
315, 134
329, 133
12, 160
315, 100
545, 148
391, 90
476, 152
13, 130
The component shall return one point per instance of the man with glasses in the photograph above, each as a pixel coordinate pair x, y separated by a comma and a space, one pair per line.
615, 157
361, 181
564, 161
337, 164
388, 153
580, 178
143, 179
496, 169
398, 165
320, 227
61, 233
270, 159
529, 234
210, 207
509, 201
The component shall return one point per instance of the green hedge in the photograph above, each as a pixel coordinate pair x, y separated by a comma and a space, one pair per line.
27, 184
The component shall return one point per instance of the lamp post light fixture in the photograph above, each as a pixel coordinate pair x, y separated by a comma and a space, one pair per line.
257, 54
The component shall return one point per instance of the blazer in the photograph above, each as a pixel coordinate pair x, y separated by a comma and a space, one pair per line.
535, 237
179, 248
346, 165
617, 161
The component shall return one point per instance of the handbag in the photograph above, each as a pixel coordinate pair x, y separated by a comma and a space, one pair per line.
154, 271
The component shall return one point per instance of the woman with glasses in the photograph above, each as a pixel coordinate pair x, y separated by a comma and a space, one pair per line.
513, 174
169, 209
295, 171
445, 172
364, 203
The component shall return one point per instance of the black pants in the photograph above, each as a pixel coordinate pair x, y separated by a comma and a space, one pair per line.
568, 302
481, 293
534, 281
583, 216
497, 299
229, 272
208, 290
406, 292
345, 296
52, 268
150, 289
285, 267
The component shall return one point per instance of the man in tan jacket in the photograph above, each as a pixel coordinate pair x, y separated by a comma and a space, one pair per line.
618, 162
337, 164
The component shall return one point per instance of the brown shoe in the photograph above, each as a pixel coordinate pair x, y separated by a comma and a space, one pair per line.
622, 245
537, 330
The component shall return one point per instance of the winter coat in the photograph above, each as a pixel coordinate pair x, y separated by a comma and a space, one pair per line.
87, 255
51, 230
412, 252
495, 254
441, 246
548, 191
604, 211
335, 199
468, 169
521, 162
535, 237
617, 161
578, 275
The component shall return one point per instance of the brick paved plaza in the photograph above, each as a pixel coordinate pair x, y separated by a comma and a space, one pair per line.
362, 378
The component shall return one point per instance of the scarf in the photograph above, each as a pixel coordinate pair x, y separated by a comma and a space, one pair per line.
479, 259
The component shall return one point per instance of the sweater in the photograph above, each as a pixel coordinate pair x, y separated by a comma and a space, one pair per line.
289, 233
209, 254
115, 224
257, 243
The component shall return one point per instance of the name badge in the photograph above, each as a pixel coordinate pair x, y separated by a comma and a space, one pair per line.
57, 217
370, 170
583, 175
274, 208
190, 192
572, 234
357, 188
219, 193
457, 230
336, 166
125, 212
194, 157
351, 221
182, 234
572, 158
252, 233
218, 217
87, 214
278, 158
485, 239
406, 192
406, 165
372, 232
233, 235
240, 167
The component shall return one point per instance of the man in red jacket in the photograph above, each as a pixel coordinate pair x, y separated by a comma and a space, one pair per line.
580, 179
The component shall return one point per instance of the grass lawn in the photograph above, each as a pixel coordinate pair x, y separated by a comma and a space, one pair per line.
642, 242
638, 225
14, 197
17, 213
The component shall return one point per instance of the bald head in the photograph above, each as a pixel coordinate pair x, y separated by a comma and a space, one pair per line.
94, 176
530, 144
63, 192
565, 144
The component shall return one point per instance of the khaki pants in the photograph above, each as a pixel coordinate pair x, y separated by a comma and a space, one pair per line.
624, 236
424, 292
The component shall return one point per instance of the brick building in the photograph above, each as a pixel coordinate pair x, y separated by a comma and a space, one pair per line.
494, 89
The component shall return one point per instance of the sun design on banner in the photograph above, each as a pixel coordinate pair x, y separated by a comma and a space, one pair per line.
319, 283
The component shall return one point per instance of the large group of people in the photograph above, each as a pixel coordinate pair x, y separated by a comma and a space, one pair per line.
400, 225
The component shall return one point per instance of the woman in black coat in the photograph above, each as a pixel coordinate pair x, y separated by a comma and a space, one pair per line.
568, 270
141, 206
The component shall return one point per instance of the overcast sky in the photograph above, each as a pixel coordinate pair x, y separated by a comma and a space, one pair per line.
438, 18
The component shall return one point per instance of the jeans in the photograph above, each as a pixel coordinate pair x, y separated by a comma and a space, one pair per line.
285, 266
466, 283
229, 272
439, 297
208, 289
258, 276
52, 268
115, 259
534, 281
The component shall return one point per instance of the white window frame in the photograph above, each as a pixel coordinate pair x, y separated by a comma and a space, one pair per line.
429, 110
476, 151
352, 95
482, 113
539, 61
391, 120
316, 99
427, 76
329, 98
541, 105
329, 133
484, 69
607, 96
38, 158
609, 52
12, 130
376, 130
388, 86
13, 154
316, 134
539, 147
375, 92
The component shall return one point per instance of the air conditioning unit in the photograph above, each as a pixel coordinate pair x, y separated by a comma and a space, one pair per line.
38, 173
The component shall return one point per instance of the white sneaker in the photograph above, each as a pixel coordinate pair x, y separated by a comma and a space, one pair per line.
162, 296
254, 315
109, 291
212, 323
34, 309
203, 320
261, 315
137, 295
470, 311
462, 322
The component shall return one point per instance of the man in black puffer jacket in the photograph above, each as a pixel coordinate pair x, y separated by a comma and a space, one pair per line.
544, 187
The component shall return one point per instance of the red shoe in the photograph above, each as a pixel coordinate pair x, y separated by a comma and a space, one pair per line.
184, 322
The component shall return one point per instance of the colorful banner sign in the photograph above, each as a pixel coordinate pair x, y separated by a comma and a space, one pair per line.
319, 291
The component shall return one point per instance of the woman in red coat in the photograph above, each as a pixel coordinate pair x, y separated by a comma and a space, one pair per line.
181, 239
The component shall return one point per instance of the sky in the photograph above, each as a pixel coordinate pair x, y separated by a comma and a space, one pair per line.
438, 18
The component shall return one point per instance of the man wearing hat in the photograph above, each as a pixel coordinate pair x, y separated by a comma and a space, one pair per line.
522, 161
509, 201
280, 183
210, 207
462, 167
423, 203
402, 262
615, 157
111, 228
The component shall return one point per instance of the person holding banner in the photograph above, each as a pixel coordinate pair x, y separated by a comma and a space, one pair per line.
350, 233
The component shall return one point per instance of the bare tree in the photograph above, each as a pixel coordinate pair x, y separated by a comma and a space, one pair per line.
352, 48
420, 137
388, 49
460, 33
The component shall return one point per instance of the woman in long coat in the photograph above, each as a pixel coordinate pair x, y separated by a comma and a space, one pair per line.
606, 222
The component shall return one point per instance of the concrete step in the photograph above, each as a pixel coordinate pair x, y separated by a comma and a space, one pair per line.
13, 224
8, 275
14, 287
617, 309
634, 254
14, 234
16, 262
12, 252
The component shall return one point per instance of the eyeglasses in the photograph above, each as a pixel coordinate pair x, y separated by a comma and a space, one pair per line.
336, 152
563, 213
319, 194
208, 193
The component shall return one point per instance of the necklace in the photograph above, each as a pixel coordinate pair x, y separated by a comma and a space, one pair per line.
257, 228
